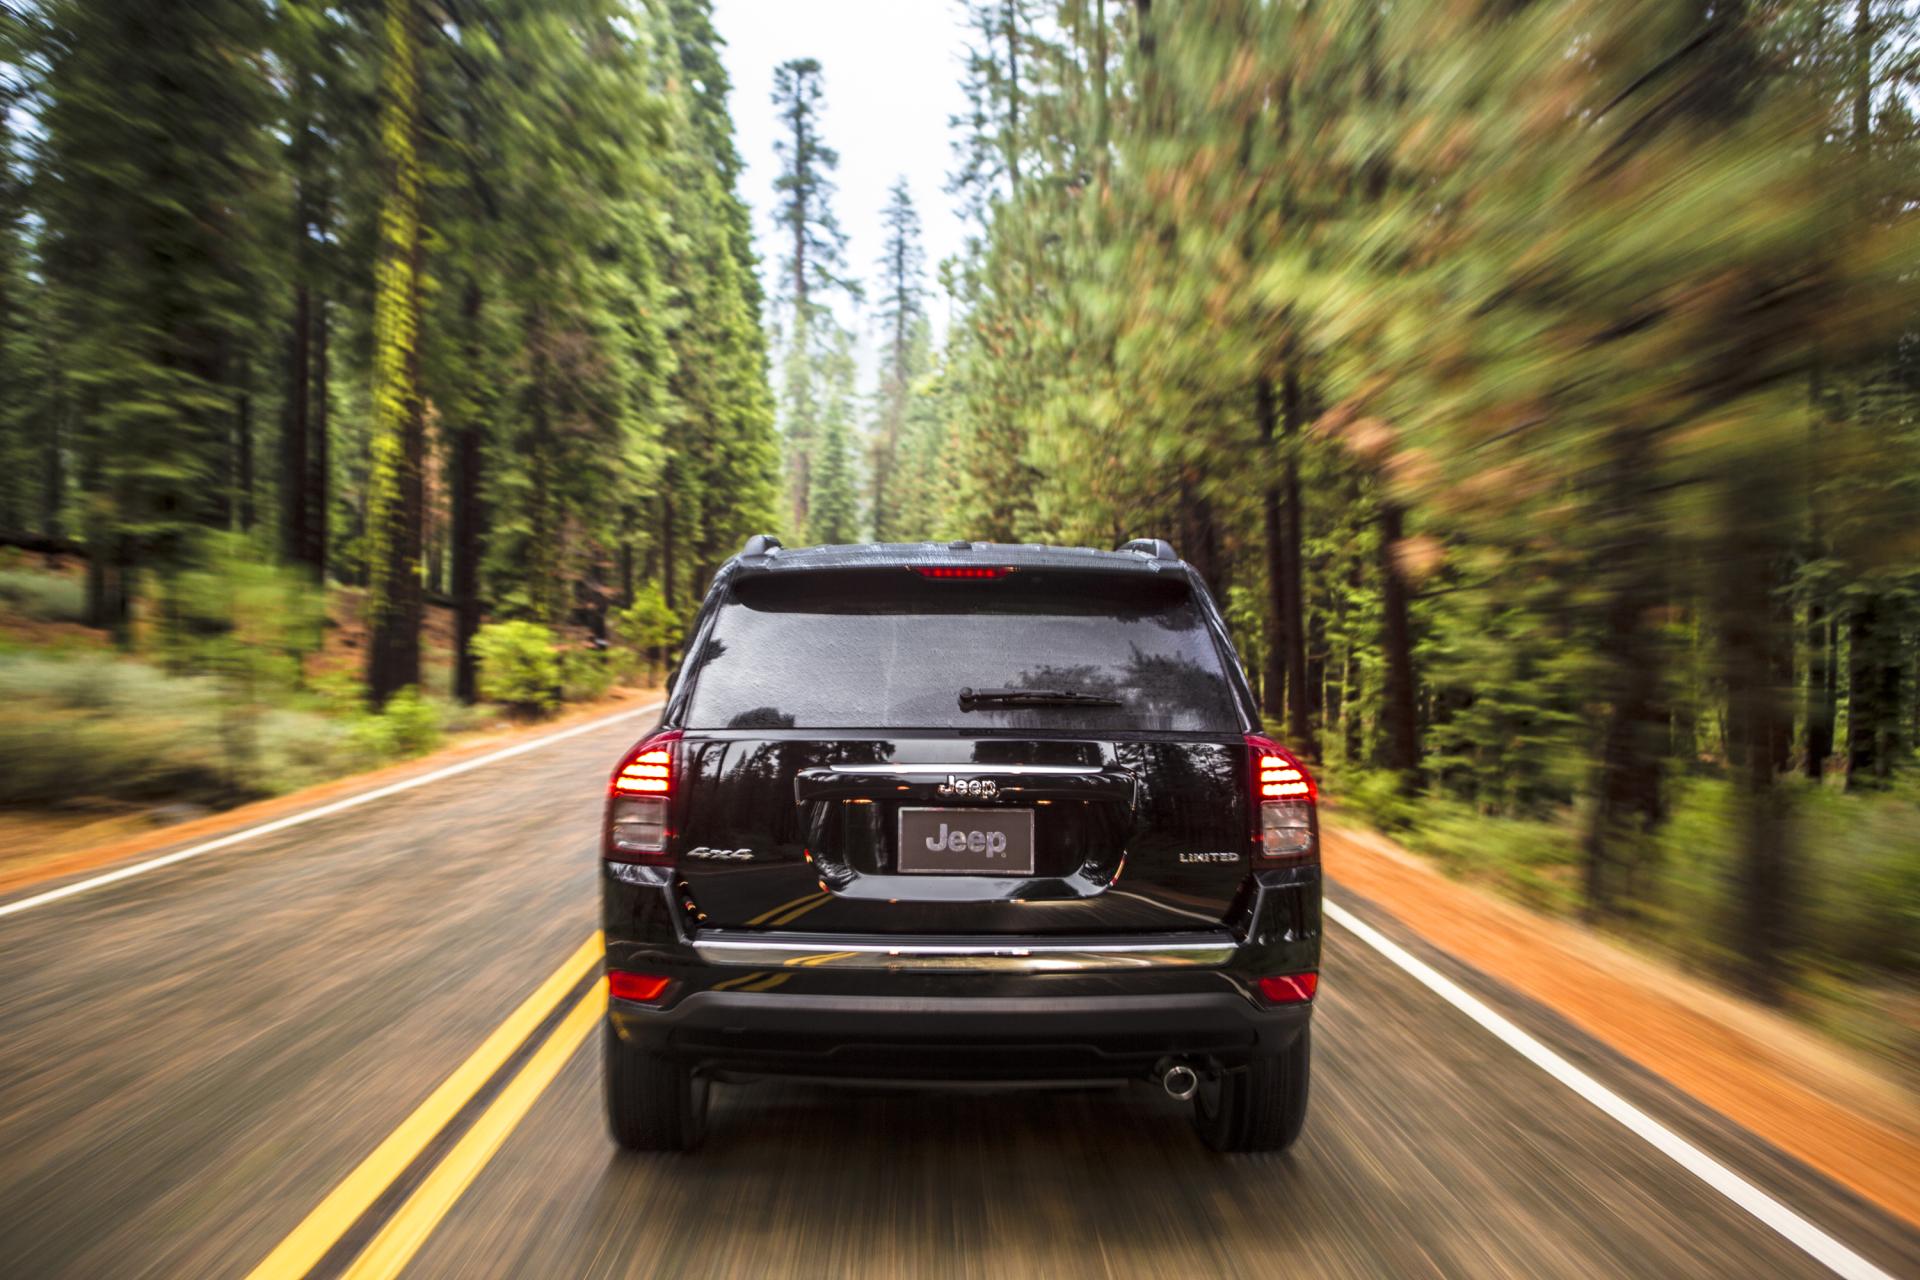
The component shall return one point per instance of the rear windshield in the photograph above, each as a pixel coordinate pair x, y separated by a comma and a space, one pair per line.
890, 649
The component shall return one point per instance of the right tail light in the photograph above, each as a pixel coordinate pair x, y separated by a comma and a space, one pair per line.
1283, 795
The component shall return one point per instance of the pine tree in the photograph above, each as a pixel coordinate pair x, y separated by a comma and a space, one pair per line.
993, 133
152, 159
833, 503
394, 508
902, 320
18, 456
811, 267
725, 453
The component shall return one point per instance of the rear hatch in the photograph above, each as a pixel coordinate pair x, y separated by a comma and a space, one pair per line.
1045, 751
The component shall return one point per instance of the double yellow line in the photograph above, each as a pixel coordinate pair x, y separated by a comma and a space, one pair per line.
403, 1233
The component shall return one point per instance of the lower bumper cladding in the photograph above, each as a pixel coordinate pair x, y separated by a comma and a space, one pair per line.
965, 1037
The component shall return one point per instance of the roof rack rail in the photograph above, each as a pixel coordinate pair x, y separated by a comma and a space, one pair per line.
1157, 548
760, 544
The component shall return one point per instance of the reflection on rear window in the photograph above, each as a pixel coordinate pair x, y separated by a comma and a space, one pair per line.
888, 649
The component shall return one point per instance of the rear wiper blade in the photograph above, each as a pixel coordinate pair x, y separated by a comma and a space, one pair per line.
971, 698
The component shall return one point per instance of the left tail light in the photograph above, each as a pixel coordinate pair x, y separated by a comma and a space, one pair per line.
638, 799
1283, 797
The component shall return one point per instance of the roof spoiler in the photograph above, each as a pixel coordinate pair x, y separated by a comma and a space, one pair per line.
760, 544
1152, 548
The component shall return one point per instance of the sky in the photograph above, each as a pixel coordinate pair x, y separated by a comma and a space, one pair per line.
891, 72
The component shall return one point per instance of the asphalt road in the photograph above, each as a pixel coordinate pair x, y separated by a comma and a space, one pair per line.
194, 1059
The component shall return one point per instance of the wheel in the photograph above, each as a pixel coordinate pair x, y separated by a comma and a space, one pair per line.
653, 1103
1259, 1107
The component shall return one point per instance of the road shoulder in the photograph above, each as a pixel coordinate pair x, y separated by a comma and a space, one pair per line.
1757, 1068
24, 870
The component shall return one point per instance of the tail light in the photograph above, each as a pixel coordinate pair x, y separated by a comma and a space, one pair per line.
637, 800
1283, 794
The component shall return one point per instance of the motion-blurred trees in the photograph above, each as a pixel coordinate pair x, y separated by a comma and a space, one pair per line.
1481, 338
455, 298
1538, 382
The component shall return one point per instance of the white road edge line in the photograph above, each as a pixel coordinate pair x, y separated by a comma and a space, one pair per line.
324, 811
1810, 1239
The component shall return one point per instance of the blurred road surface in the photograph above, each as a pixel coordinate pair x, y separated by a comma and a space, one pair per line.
192, 1060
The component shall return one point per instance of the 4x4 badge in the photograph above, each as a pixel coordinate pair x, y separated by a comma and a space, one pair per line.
721, 855
981, 788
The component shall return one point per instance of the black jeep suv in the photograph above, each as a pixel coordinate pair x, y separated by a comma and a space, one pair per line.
969, 811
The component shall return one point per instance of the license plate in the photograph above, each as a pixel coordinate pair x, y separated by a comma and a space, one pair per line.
977, 842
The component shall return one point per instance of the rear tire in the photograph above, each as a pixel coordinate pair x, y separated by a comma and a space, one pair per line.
653, 1102
1261, 1106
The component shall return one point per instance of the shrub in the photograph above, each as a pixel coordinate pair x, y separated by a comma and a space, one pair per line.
408, 725
44, 597
239, 615
585, 674
649, 625
518, 665
101, 727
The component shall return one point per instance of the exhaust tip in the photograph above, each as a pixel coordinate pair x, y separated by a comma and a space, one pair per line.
1180, 1083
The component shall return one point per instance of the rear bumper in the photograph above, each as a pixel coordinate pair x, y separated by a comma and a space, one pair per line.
983, 1007
955, 1037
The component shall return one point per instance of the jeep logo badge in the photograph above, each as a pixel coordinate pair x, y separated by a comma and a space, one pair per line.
978, 788
991, 843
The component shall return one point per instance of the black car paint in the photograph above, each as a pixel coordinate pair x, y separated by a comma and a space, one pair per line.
817, 876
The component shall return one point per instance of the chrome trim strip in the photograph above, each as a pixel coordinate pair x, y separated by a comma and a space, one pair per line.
915, 770
1039, 957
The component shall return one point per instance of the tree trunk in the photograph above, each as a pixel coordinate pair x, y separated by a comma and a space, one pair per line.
1199, 540
668, 559
295, 540
1012, 139
1273, 681
395, 509
1819, 689
1754, 638
53, 481
465, 499
1401, 737
243, 447
1875, 663
1300, 732
320, 459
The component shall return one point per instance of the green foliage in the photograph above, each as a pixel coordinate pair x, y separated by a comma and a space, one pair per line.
519, 665
1859, 886
45, 597
155, 132
648, 623
833, 501
237, 614
585, 674
100, 728
1587, 348
408, 725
